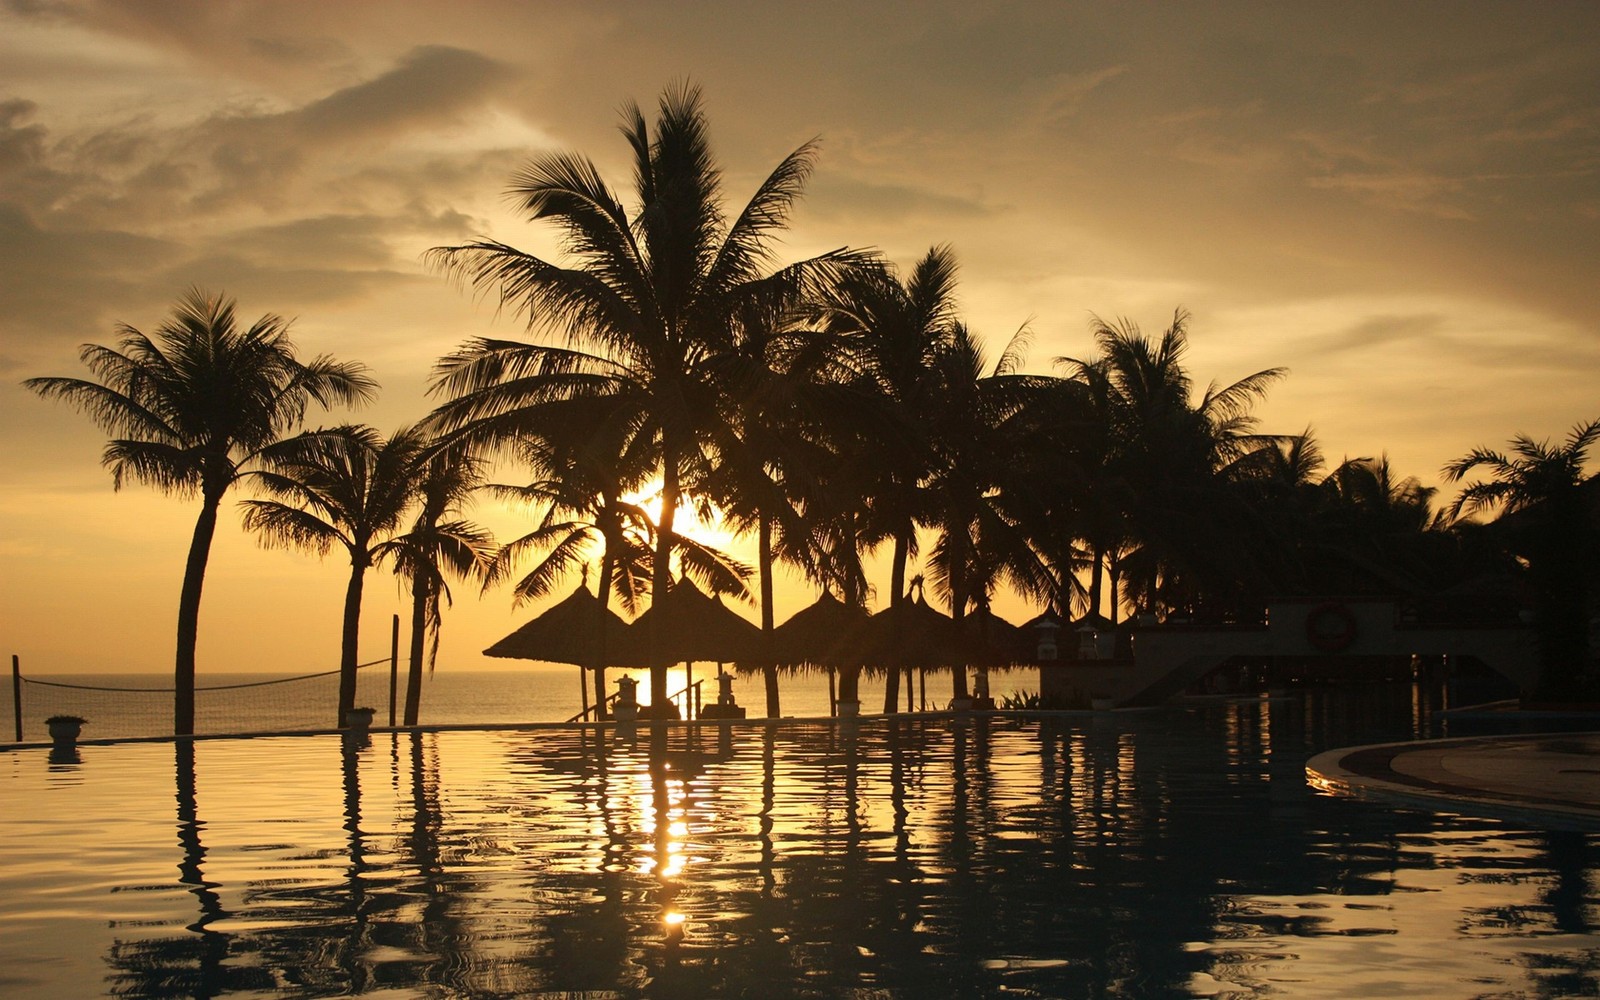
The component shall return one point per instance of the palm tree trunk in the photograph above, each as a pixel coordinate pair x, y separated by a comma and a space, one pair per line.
897, 596
1113, 579
608, 564
661, 581
419, 633
1096, 577
958, 613
351, 636
769, 669
850, 676
194, 578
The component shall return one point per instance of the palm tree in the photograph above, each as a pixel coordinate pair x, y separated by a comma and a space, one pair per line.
1171, 456
439, 544
192, 409
348, 487
981, 435
1550, 503
653, 292
897, 330
583, 491
783, 404
581, 487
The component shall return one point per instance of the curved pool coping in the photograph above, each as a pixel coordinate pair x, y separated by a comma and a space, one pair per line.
1550, 779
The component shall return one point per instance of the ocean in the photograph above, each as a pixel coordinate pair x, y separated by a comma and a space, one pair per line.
120, 706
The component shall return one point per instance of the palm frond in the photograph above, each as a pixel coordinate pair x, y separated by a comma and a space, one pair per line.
286, 527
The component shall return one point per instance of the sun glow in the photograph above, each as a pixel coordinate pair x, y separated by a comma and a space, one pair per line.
687, 521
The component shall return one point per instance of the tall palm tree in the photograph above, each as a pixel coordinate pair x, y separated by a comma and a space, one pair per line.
783, 402
651, 291
1172, 455
581, 486
582, 489
192, 409
350, 488
1552, 504
981, 435
439, 544
898, 328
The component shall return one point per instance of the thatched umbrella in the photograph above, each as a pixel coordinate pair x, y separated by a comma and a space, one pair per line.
828, 633
991, 641
688, 626
911, 634
577, 630
915, 635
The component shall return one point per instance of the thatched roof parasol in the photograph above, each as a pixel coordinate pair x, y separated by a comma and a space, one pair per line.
911, 634
827, 632
565, 633
991, 641
691, 627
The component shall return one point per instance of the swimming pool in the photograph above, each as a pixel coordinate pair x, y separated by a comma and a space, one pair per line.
1175, 853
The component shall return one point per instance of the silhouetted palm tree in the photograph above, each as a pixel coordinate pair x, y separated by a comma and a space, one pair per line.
347, 487
192, 408
898, 328
653, 291
580, 492
438, 545
579, 486
783, 403
980, 434
1170, 453
1552, 506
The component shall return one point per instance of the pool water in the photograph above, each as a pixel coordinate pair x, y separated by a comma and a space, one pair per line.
1177, 853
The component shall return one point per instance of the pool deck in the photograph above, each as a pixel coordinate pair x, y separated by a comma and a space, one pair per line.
1551, 779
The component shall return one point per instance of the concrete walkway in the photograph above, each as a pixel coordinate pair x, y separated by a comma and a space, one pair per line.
1547, 780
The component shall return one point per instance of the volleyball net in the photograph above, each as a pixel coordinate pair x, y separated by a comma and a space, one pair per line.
253, 704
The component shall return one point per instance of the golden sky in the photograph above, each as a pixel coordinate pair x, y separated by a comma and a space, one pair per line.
1397, 202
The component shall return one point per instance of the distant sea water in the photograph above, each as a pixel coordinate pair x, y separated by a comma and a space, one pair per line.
119, 706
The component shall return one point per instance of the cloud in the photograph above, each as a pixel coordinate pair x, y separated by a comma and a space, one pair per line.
834, 196
1386, 331
432, 85
1426, 194
58, 285
239, 160
1065, 93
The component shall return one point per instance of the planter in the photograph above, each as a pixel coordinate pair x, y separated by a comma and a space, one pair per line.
359, 720
1102, 704
849, 709
64, 731
960, 704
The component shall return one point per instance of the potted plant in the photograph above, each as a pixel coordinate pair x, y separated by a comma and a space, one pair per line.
64, 729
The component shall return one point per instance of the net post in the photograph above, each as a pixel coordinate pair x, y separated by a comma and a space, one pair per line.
394, 665
16, 693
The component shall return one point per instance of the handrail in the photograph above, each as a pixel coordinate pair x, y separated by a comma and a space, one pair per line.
583, 716
682, 692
